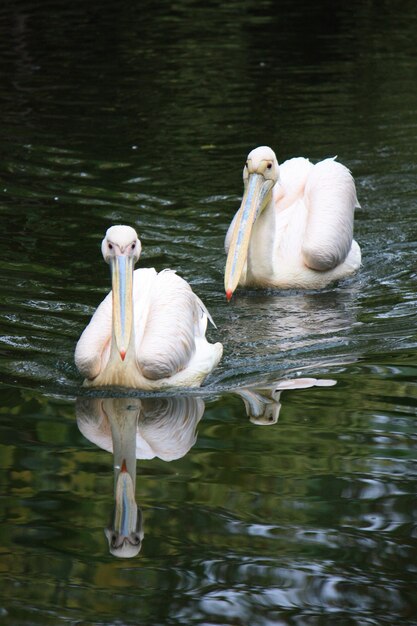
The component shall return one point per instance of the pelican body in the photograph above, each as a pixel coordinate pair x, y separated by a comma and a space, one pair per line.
149, 332
294, 228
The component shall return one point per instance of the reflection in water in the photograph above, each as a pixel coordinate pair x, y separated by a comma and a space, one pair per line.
134, 428
263, 405
144, 428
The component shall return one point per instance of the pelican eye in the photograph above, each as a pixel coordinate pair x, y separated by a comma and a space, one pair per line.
269, 166
133, 246
110, 246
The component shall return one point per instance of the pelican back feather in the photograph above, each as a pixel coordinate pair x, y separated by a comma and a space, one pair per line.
330, 197
93, 347
168, 341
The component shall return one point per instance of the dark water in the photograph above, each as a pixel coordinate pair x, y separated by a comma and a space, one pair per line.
143, 114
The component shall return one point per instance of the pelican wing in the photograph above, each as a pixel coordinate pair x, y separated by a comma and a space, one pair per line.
92, 349
330, 197
168, 340
204, 315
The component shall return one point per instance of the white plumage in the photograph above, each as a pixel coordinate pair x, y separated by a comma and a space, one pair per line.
149, 332
294, 228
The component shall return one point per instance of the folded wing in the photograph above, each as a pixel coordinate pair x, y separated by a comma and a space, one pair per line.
330, 197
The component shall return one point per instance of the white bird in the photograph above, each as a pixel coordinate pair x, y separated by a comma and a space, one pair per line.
294, 228
149, 332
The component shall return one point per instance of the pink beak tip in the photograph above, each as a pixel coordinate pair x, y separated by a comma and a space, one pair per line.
229, 294
123, 354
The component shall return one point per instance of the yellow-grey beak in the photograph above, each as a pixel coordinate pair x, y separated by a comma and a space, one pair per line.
256, 196
122, 289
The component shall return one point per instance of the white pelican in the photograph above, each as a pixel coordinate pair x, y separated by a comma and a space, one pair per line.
149, 332
294, 228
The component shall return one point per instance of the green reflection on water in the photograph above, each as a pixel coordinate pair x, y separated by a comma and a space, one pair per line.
144, 114
290, 508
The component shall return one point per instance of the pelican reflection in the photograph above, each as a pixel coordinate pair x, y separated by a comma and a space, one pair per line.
263, 404
133, 428
145, 428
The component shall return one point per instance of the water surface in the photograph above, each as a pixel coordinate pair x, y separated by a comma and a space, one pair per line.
144, 114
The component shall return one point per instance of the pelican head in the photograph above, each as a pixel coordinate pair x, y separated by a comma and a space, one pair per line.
121, 249
121, 241
260, 174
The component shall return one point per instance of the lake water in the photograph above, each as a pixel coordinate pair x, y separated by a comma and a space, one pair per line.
259, 503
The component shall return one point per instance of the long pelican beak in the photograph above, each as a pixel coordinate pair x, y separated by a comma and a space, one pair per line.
122, 289
256, 196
